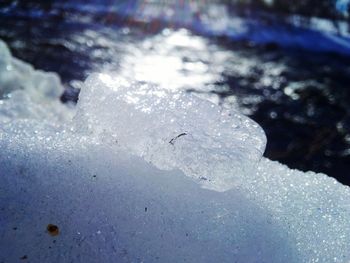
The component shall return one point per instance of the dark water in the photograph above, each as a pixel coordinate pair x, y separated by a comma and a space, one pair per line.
300, 97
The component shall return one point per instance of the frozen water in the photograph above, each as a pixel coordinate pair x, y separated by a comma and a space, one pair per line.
123, 180
159, 126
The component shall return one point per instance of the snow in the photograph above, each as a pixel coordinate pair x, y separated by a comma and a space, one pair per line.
136, 173
25, 92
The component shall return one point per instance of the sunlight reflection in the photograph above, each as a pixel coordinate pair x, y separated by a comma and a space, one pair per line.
110, 81
172, 60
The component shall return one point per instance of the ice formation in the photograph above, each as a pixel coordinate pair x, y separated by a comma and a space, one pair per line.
122, 177
219, 148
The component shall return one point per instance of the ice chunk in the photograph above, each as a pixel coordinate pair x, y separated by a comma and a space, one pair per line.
216, 146
97, 177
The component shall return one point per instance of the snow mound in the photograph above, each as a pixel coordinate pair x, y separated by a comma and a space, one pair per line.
25, 92
121, 180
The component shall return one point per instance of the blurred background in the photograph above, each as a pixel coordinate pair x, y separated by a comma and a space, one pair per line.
286, 64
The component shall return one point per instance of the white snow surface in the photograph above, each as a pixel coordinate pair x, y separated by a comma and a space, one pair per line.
136, 173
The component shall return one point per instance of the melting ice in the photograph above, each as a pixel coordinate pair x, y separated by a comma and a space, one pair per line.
138, 174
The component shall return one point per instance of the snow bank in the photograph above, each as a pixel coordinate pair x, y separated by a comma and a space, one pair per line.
25, 92
123, 180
